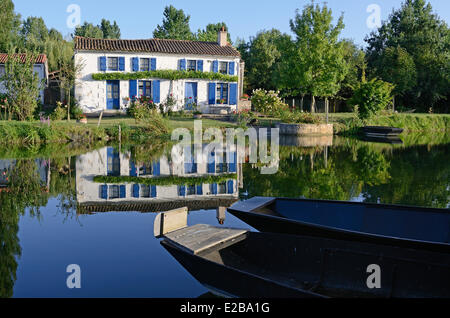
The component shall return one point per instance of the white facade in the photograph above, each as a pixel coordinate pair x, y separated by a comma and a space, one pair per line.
92, 95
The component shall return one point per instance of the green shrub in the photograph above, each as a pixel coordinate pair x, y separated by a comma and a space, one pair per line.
59, 113
76, 112
141, 108
297, 117
371, 97
268, 102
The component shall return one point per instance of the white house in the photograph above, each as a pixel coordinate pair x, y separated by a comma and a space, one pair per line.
115, 71
40, 68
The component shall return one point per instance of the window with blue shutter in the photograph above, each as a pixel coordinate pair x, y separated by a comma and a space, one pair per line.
214, 188
230, 187
216, 66
183, 65
212, 93
104, 192
133, 89
212, 163
157, 169
200, 65
135, 62
103, 63
122, 63
136, 191
231, 68
182, 191
157, 92
123, 192
153, 64
200, 189
233, 94
153, 191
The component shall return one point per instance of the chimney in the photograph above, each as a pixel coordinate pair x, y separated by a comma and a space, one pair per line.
223, 37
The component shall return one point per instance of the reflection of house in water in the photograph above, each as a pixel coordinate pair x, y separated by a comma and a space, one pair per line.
97, 197
6, 166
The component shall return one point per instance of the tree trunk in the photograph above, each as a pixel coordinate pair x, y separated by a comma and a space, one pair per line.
326, 108
313, 104
393, 104
301, 102
68, 106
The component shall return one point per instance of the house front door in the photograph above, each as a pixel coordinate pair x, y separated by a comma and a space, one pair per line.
113, 95
191, 95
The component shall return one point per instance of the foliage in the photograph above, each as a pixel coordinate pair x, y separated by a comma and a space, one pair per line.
175, 25
165, 181
210, 33
110, 31
9, 24
89, 30
172, 75
59, 112
297, 117
141, 108
371, 97
267, 102
69, 73
22, 86
415, 33
244, 118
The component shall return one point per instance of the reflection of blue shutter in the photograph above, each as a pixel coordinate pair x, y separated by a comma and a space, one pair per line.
200, 65
157, 92
157, 169
212, 93
233, 94
136, 190
200, 189
216, 66
230, 187
183, 65
133, 170
214, 188
231, 68
104, 192
133, 89
232, 167
123, 192
135, 64
153, 192
212, 163
153, 64
182, 191
103, 63
122, 63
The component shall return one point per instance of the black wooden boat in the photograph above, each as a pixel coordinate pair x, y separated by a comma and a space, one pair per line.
238, 263
393, 140
403, 226
380, 131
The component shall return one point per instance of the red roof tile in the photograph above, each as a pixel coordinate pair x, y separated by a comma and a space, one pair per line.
155, 46
40, 59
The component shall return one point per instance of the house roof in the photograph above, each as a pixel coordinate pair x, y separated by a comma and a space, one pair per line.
155, 46
40, 59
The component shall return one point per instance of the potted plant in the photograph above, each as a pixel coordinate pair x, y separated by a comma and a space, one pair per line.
83, 119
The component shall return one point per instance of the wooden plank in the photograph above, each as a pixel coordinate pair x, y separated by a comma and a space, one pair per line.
170, 221
199, 238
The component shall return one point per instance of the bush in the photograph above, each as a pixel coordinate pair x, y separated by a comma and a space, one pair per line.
59, 113
141, 108
268, 102
371, 97
76, 112
297, 117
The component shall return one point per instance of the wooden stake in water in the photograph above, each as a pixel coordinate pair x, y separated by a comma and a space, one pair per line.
100, 119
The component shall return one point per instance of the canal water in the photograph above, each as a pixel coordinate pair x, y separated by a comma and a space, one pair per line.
83, 209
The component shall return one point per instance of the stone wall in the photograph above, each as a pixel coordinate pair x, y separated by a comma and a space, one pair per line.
306, 129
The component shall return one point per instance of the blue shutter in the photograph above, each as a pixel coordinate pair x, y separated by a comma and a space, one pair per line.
212, 163
135, 64
200, 189
123, 192
183, 65
157, 92
157, 169
154, 193
153, 64
233, 94
212, 93
133, 89
133, 170
136, 191
232, 167
230, 187
103, 63
216, 66
104, 192
231, 68
214, 188
122, 63
200, 65
182, 191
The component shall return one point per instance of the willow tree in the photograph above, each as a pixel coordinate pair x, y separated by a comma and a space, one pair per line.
320, 54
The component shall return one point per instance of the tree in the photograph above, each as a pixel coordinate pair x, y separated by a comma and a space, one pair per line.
35, 34
110, 31
89, 30
175, 25
70, 71
414, 31
9, 25
319, 53
210, 34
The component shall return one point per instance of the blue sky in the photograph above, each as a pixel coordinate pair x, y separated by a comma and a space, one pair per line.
138, 18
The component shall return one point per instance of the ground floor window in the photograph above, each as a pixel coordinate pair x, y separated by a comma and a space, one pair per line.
222, 93
145, 89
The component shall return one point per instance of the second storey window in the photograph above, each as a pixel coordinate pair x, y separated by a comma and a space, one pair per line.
223, 67
145, 65
222, 93
113, 63
191, 65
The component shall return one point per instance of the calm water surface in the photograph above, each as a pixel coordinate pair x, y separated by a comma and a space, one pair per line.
53, 213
